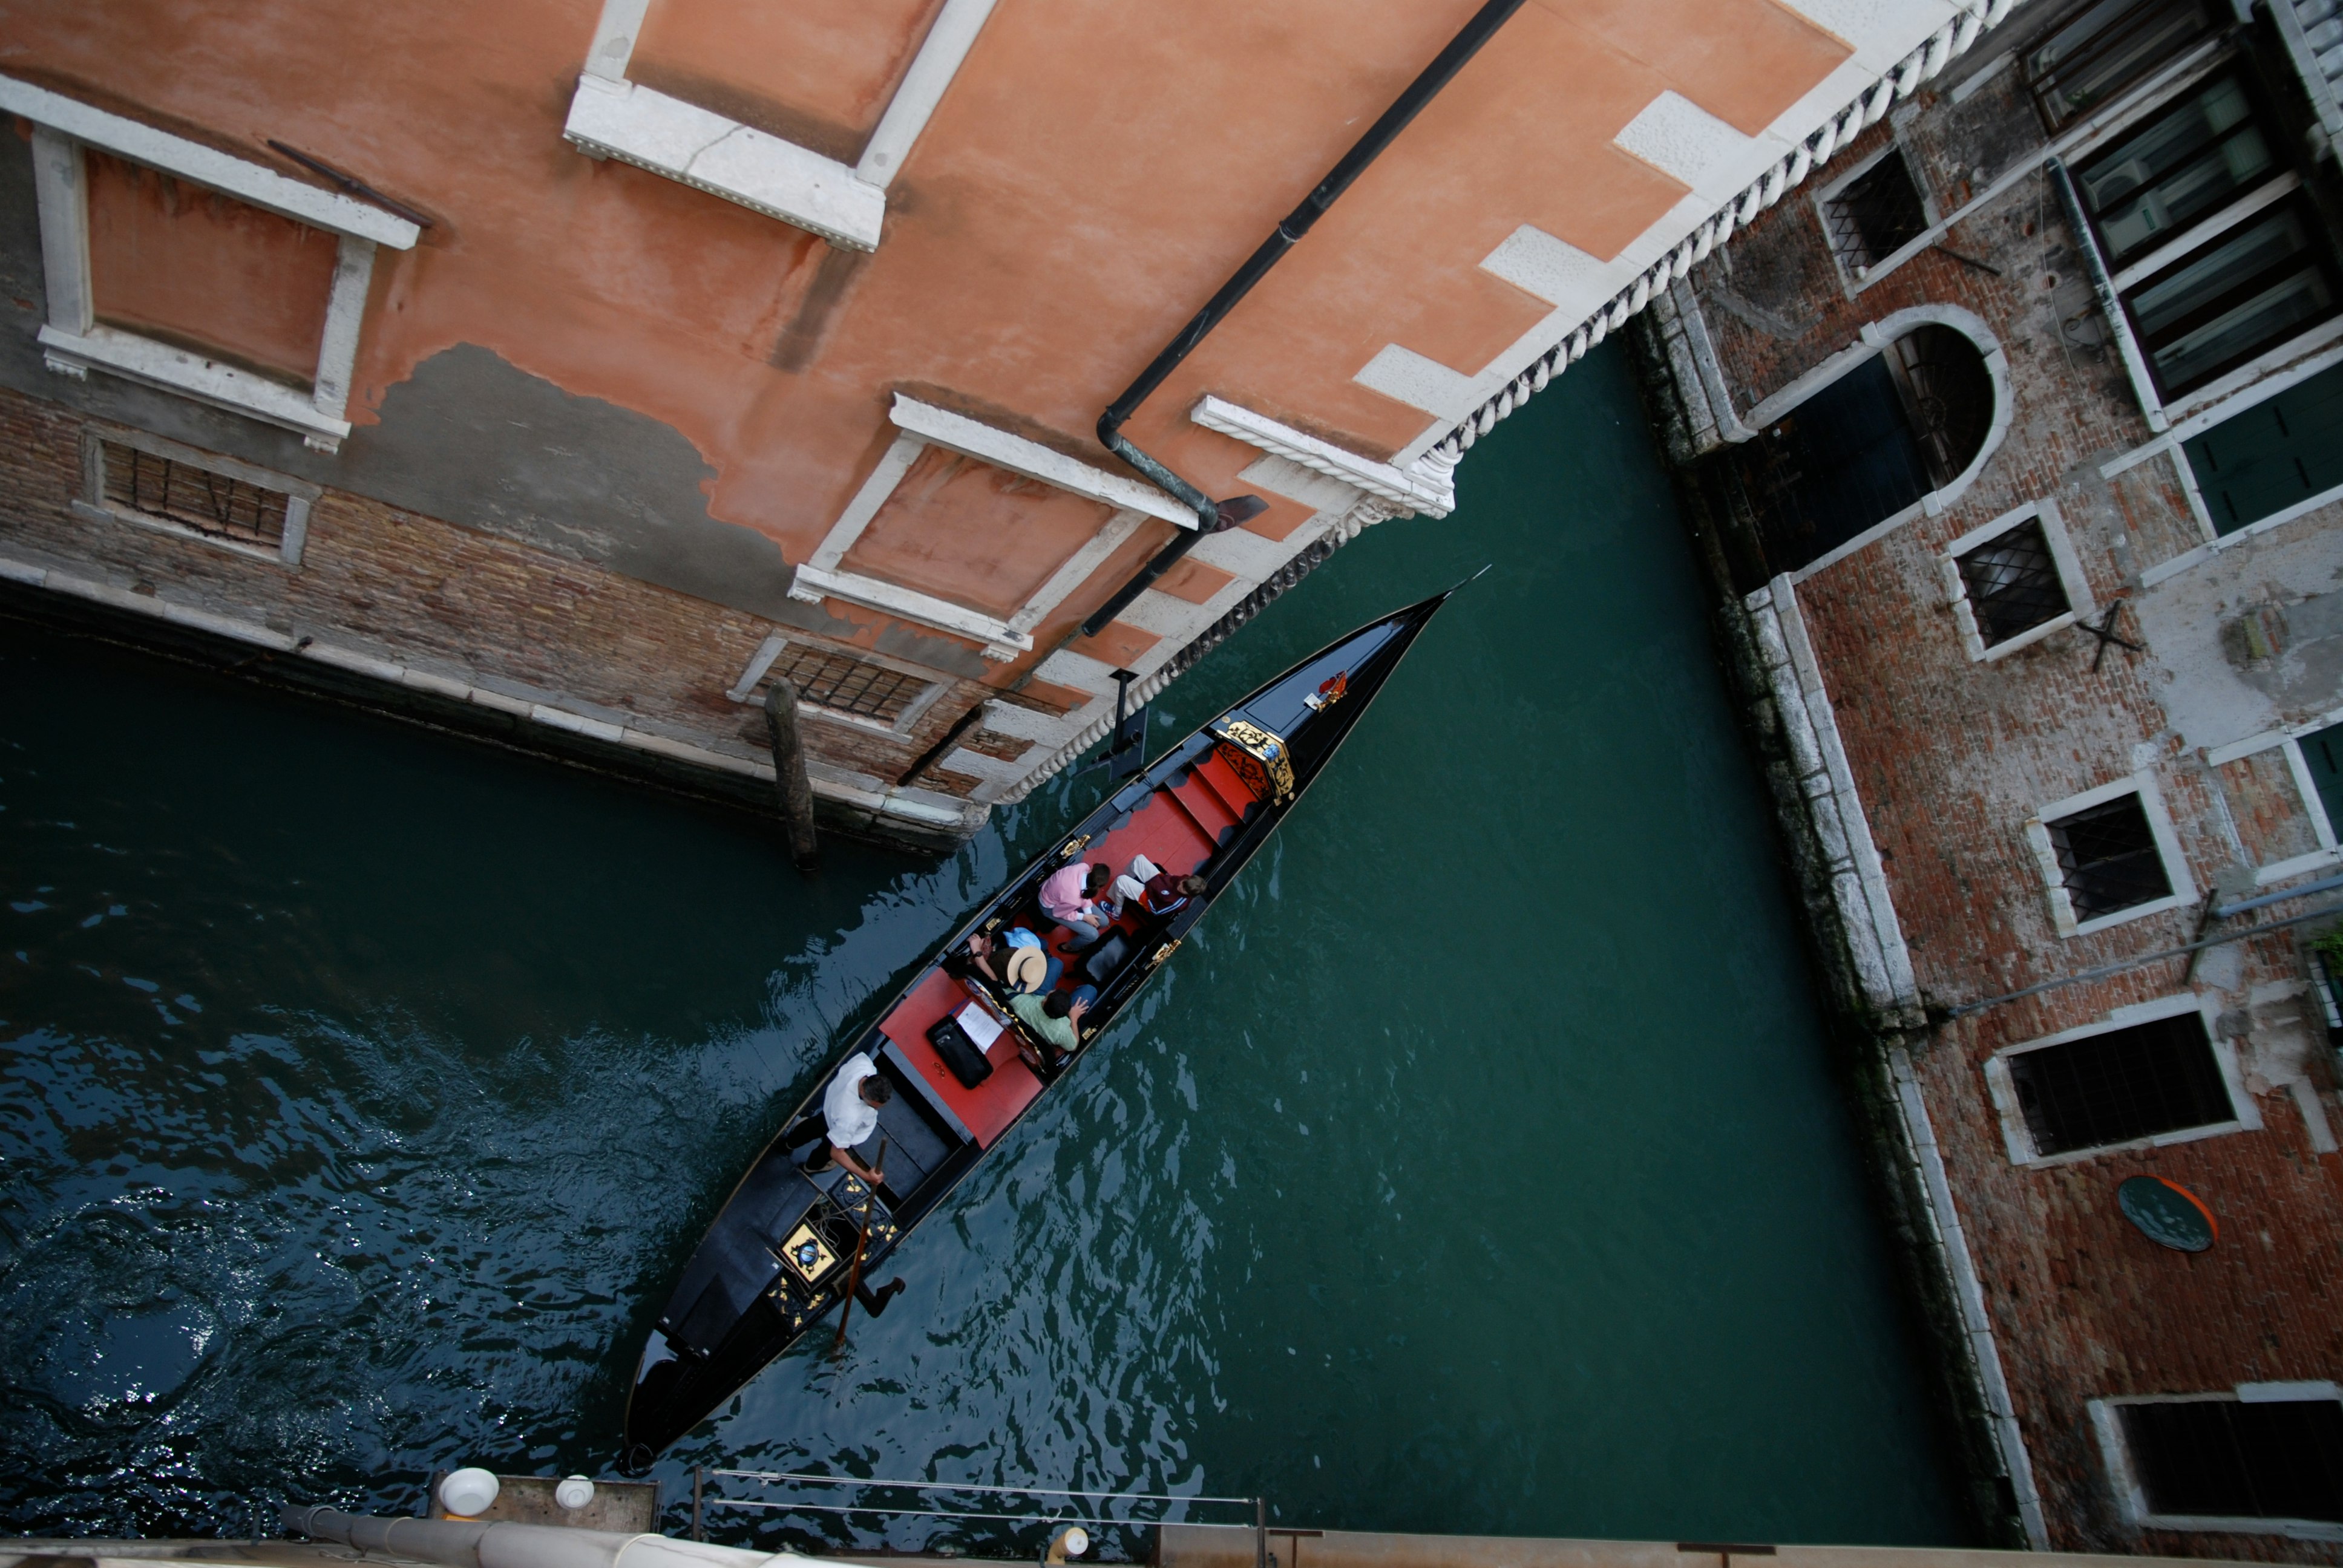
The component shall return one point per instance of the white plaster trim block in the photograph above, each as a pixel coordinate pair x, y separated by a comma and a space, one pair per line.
1401, 486
1406, 377
1000, 641
137, 359
255, 182
697, 148
61, 195
958, 433
1555, 270
1679, 138
1076, 570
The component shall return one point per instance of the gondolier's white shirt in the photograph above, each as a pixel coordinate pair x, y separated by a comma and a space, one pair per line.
851, 1119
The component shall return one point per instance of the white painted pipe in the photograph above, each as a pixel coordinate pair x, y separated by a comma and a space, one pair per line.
469, 1544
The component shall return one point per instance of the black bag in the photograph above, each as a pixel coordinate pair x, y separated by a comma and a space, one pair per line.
1107, 962
959, 1052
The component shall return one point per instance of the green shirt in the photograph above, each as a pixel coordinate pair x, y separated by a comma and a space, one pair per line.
1057, 1031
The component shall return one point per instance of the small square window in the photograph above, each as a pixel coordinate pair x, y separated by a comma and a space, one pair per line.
2120, 1085
2230, 1459
1875, 215
2012, 584
845, 685
2108, 859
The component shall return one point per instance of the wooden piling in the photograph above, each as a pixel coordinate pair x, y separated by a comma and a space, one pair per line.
789, 781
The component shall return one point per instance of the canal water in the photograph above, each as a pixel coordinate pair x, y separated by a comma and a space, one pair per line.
1477, 1167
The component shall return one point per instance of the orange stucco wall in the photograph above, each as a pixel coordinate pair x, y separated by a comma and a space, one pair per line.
1093, 174
974, 534
818, 72
177, 261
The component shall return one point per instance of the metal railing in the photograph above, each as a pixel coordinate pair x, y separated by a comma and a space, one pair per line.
1078, 1507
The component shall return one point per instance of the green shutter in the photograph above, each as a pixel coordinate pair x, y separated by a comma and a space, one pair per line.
2281, 451
2324, 751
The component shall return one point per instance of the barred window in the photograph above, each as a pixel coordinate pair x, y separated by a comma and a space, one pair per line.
1876, 213
2230, 1459
2013, 583
199, 498
2120, 1085
2107, 857
846, 685
129, 475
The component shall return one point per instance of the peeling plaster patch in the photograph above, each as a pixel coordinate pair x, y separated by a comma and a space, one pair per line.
2252, 638
482, 443
1678, 138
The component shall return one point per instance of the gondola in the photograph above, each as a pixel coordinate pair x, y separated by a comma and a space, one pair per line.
781, 1254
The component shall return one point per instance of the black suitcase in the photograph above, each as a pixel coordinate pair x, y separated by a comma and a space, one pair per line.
959, 1052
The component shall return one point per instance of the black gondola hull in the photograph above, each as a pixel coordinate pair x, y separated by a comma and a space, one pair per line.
748, 1293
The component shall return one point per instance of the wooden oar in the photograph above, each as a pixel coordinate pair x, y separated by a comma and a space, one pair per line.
861, 1244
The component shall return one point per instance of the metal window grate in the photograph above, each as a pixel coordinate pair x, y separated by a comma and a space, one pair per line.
2108, 856
193, 498
2280, 1459
2126, 1084
2013, 583
1876, 213
845, 685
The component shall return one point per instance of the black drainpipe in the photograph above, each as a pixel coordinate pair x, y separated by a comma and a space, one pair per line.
1212, 516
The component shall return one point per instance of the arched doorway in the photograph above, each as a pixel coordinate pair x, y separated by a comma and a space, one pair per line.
1867, 447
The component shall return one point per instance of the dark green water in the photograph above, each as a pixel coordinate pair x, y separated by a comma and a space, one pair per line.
1477, 1168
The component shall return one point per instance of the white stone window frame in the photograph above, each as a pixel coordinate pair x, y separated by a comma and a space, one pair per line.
769, 653
2018, 1139
2314, 808
300, 495
2080, 603
2159, 827
1931, 232
2169, 444
1870, 341
822, 574
612, 118
2131, 1493
2241, 385
75, 343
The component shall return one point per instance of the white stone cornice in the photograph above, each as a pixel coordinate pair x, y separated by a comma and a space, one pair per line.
1422, 489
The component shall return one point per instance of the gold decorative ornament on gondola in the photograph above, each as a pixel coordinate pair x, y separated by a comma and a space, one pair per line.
1259, 757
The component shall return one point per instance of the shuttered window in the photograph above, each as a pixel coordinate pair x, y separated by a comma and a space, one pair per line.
2322, 751
2120, 1086
2277, 453
2226, 1459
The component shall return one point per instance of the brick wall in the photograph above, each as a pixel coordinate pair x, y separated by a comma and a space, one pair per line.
473, 607
1952, 757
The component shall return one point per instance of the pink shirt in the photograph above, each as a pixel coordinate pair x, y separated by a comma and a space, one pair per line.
1062, 894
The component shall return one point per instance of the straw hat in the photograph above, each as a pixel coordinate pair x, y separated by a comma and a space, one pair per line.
1024, 970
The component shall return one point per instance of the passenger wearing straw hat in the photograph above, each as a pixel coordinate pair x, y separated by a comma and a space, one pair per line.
1018, 964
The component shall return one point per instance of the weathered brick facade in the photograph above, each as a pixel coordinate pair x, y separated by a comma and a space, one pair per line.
425, 604
1932, 877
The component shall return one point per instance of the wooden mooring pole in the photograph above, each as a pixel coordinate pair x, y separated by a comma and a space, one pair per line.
789, 781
